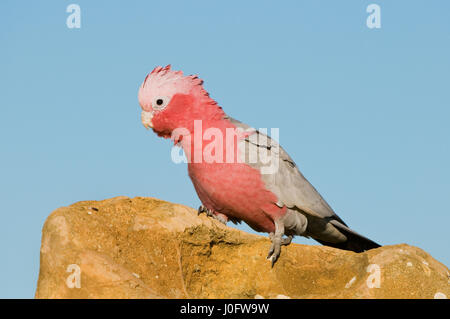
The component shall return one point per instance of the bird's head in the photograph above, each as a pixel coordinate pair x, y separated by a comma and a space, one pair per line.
170, 100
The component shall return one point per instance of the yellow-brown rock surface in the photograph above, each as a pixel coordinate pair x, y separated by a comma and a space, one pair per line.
148, 248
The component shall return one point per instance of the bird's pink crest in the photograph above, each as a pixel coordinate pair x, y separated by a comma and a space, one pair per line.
163, 81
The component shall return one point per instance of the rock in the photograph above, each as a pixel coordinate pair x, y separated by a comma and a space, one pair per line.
148, 248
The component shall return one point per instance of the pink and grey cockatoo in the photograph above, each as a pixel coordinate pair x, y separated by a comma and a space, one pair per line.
232, 183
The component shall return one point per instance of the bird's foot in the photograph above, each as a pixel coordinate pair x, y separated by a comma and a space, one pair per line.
275, 250
277, 241
203, 209
221, 218
284, 241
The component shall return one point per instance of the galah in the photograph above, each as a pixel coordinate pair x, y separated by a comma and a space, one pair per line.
231, 176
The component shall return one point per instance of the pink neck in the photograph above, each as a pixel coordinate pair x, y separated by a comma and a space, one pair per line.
210, 131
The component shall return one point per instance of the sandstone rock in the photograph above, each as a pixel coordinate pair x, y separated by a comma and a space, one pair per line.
148, 248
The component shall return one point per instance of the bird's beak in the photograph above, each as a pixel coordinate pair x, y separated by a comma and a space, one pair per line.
146, 118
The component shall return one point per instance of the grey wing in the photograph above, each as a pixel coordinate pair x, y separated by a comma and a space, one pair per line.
284, 178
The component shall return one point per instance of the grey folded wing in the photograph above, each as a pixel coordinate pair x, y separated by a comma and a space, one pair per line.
295, 192
284, 178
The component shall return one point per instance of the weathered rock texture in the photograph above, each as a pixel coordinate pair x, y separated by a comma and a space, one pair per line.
148, 248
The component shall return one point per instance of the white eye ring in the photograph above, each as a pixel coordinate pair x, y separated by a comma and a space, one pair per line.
160, 102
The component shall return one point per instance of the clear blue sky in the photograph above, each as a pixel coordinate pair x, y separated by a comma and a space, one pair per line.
364, 112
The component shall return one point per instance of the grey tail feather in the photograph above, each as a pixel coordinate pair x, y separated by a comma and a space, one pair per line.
355, 242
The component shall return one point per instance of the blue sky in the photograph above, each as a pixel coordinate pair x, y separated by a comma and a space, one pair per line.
364, 112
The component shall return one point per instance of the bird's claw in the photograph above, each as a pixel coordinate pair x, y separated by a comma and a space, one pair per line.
203, 209
275, 248
210, 213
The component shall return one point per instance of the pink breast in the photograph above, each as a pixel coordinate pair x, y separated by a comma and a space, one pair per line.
236, 190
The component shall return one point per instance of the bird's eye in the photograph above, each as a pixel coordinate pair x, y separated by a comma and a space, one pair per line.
160, 102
